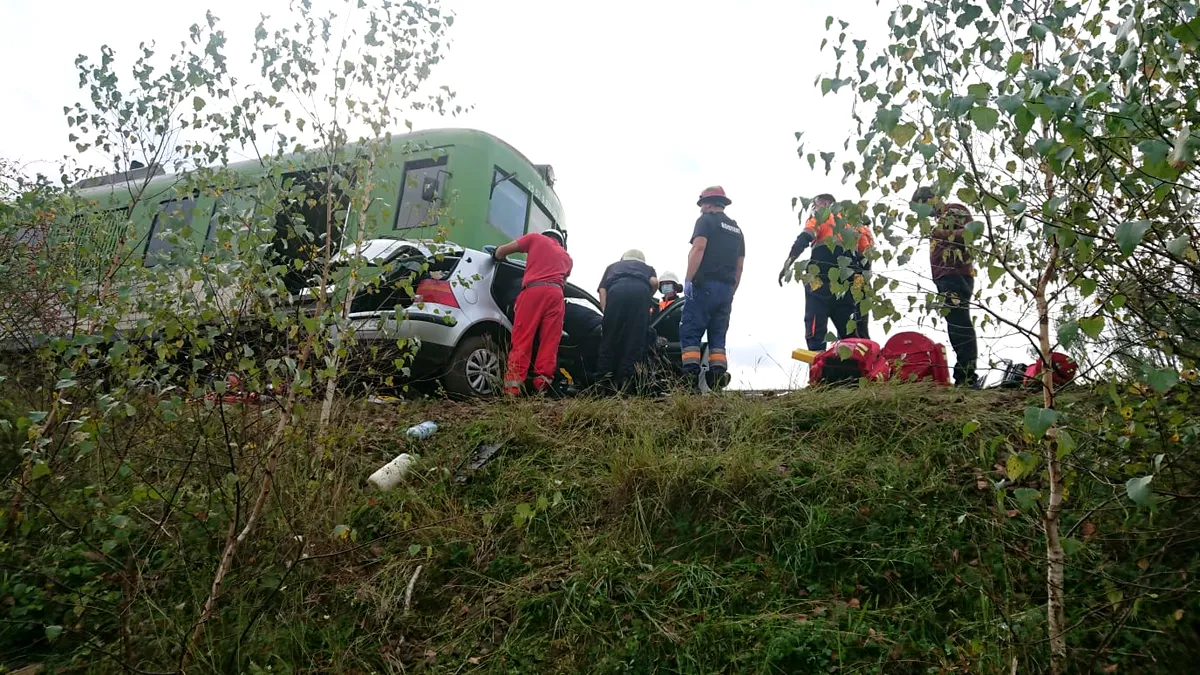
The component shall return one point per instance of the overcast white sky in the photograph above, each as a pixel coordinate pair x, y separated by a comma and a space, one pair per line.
638, 105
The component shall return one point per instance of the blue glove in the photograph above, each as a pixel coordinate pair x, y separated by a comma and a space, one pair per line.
687, 289
490, 250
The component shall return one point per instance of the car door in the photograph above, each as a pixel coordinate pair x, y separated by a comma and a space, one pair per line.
666, 326
580, 346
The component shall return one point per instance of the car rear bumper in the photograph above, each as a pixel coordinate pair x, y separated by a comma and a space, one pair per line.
437, 327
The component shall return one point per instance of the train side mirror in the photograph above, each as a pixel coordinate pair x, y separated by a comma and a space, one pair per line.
429, 190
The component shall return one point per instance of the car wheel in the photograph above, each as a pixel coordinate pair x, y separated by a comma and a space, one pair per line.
476, 369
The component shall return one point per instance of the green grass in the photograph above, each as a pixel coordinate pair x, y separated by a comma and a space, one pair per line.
825, 531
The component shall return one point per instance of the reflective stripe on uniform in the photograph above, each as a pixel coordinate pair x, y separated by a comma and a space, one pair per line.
717, 357
541, 382
691, 355
509, 384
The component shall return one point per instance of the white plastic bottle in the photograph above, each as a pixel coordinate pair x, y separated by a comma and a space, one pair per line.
389, 475
422, 431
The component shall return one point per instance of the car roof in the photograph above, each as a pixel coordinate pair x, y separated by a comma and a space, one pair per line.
383, 250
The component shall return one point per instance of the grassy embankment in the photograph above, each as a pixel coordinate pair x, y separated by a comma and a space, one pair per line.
837, 531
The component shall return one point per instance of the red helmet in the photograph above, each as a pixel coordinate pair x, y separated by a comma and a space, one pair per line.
714, 195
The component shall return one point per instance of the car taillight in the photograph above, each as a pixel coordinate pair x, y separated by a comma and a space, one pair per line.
437, 292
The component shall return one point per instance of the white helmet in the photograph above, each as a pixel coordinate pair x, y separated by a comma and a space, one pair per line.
557, 235
669, 276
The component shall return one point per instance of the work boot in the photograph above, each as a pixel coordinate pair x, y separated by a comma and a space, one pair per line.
602, 385
967, 382
718, 380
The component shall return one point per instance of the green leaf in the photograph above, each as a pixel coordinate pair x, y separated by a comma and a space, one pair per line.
39, 470
1019, 464
1178, 245
995, 272
1086, 286
1014, 63
970, 428
36, 416
1024, 120
198, 104
1071, 546
119, 521
52, 633
1066, 442
980, 90
969, 14
1129, 235
1162, 380
1059, 105
1026, 498
524, 513
888, 118
1039, 420
1010, 103
1123, 31
1092, 326
1188, 33
1154, 151
985, 118
903, 133
1139, 490
1068, 332
960, 105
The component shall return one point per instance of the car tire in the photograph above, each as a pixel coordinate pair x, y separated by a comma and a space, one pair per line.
476, 368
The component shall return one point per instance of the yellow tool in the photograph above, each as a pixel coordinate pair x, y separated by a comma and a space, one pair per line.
805, 355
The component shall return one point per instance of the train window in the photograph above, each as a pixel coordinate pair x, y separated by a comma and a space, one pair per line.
423, 179
307, 207
233, 210
539, 220
509, 206
172, 220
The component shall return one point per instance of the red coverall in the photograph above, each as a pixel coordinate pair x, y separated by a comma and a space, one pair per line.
539, 312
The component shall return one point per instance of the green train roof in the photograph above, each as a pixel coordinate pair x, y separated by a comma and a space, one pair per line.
120, 192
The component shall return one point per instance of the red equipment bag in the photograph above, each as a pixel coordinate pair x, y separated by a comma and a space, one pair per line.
1064, 370
912, 357
848, 360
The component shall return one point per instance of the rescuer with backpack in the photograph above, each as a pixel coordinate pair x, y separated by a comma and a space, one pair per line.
540, 308
953, 272
831, 238
714, 273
